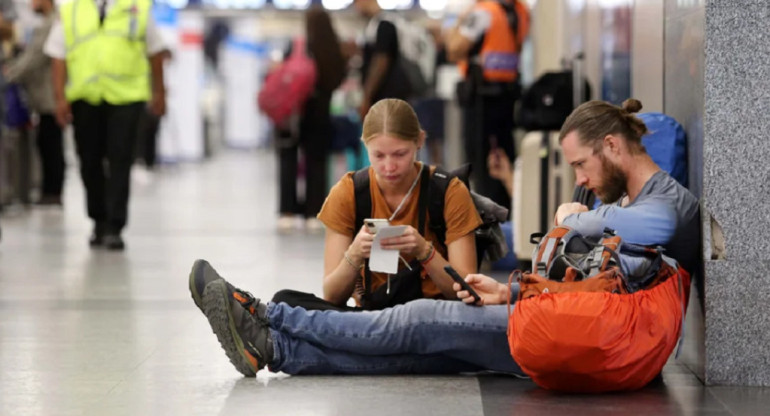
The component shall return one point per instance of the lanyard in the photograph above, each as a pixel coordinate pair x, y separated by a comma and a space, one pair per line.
398, 208
408, 194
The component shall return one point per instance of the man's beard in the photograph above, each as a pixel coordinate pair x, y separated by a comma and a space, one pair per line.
613, 182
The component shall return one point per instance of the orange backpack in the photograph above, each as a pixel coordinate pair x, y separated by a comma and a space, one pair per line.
599, 330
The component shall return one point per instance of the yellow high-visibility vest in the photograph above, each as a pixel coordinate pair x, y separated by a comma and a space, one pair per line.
106, 62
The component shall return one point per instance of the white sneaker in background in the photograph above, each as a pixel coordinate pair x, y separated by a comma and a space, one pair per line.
314, 226
141, 175
286, 224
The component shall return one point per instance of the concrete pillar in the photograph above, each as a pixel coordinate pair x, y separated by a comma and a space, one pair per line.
736, 192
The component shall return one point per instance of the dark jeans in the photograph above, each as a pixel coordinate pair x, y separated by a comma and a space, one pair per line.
105, 136
488, 117
315, 137
50, 144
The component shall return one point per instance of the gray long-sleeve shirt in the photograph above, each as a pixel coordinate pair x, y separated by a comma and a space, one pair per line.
664, 213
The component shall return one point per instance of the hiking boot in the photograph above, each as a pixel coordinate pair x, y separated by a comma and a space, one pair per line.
242, 331
202, 273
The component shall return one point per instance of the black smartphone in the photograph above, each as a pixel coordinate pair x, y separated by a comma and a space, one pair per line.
456, 277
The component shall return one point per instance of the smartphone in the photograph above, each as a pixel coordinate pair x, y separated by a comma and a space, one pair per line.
373, 224
456, 277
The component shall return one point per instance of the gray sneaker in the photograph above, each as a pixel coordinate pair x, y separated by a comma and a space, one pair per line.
201, 275
240, 323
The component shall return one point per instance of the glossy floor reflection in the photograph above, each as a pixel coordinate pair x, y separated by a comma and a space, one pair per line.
89, 332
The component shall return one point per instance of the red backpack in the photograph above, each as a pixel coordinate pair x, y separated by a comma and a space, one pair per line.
288, 86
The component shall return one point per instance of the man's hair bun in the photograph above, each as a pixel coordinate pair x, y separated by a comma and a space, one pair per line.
632, 105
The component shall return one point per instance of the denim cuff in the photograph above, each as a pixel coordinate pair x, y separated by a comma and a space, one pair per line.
275, 363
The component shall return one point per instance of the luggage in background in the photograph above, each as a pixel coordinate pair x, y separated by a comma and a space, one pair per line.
542, 178
549, 100
542, 181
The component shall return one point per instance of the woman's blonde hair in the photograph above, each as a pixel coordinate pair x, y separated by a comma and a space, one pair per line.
393, 117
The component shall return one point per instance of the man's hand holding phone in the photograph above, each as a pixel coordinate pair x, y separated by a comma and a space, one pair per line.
464, 291
488, 290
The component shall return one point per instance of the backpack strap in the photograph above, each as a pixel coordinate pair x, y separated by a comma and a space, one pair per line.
422, 202
439, 182
513, 18
607, 249
546, 250
363, 199
363, 211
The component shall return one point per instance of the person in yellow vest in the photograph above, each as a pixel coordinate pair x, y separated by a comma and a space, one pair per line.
486, 43
107, 62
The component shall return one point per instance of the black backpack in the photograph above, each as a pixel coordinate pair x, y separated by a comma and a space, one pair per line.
547, 103
490, 241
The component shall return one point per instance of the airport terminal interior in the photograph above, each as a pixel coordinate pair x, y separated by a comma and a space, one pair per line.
90, 331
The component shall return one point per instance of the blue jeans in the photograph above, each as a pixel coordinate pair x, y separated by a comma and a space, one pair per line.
421, 337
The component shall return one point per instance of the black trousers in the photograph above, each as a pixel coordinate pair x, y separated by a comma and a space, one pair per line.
105, 136
50, 145
315, 139
487, 122
309, 301
146, 142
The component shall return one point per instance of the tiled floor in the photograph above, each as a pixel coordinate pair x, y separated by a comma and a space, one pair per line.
88, 332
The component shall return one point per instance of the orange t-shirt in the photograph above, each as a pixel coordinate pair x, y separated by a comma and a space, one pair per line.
339, 214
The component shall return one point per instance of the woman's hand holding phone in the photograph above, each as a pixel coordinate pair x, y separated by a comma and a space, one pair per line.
374, 224
361, 247
410, 243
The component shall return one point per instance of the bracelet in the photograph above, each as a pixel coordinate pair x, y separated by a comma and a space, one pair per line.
429, 256
350, 262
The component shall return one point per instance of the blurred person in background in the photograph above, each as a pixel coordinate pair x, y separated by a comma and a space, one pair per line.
149, 125
430, 108
101, 77
486, 43
7, 16
380, 74
32, 69
315, 129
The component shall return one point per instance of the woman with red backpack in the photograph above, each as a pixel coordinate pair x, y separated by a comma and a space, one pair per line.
314, 130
